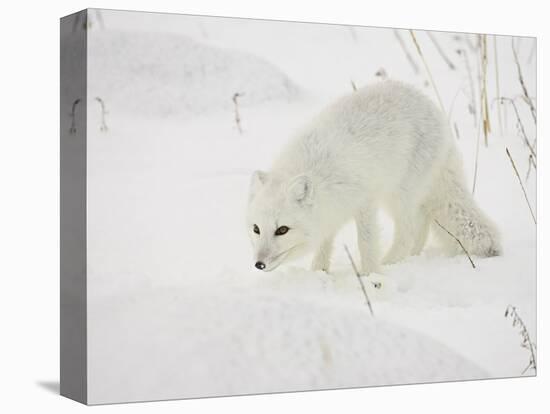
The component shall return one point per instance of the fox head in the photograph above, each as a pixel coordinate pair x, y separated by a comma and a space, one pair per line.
280, 220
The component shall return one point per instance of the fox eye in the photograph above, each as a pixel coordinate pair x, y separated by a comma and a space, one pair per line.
256, 229
281, 230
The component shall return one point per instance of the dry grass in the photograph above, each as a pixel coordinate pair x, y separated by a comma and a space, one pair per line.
441, 51
476, 158
531, 163
484, 100
526, 342
457, 132
520, 126
521, 184
497, 85
471, 45
427, 68
526, 95
410, 59
533, 52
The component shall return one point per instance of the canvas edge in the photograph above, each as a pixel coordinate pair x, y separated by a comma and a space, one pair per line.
73, 123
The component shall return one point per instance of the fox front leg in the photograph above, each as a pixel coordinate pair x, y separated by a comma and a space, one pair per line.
321, 259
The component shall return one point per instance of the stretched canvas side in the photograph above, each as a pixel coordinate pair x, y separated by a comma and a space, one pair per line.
73, 382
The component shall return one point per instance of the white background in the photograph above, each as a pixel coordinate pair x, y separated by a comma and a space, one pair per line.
29, 208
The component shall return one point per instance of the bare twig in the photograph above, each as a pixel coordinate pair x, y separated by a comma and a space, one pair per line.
458, 241
235, 98
406, 51
72, 128
103, 126
526, 342
441, 51
419, 50
523, 87
521, 184
360, 280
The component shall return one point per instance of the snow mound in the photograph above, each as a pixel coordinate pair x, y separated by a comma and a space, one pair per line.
239, 343
162, 74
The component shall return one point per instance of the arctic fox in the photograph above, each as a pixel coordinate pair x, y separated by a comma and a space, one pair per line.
386, 145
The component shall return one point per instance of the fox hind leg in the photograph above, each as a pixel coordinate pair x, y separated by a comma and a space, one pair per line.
368, 239
410, 231
422, 231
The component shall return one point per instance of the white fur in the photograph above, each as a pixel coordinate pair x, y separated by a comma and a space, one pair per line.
386, 145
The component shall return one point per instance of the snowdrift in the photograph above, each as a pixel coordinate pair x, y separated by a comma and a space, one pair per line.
160, 74
236, 343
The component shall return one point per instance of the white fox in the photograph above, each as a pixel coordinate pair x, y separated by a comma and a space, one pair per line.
386, 145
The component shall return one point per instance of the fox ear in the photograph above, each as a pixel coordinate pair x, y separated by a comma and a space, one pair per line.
258, 179
301, 189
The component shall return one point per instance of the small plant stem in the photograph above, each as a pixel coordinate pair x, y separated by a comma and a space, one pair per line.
458, 241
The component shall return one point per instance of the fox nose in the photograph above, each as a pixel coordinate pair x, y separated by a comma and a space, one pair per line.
260, 265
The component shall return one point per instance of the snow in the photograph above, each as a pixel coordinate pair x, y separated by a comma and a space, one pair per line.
175, 307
